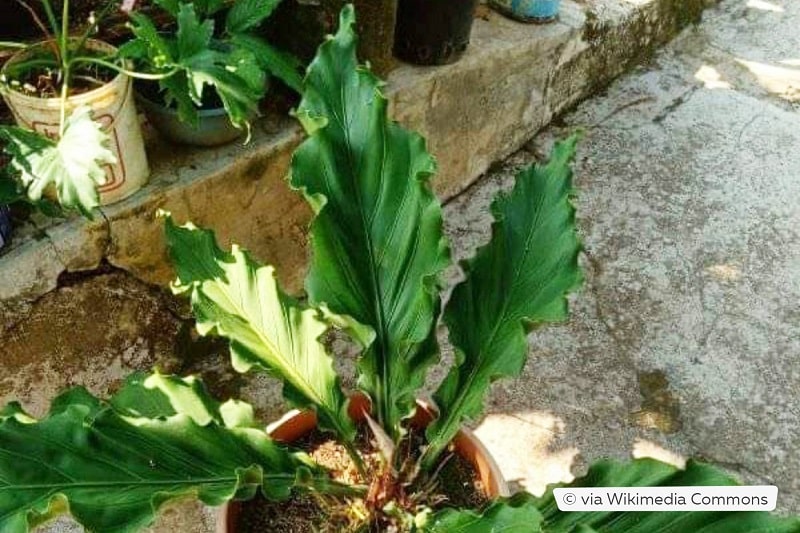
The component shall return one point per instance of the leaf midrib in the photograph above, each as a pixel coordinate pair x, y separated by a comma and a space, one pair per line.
377, 300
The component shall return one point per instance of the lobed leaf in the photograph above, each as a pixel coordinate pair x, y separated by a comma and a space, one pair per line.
113, 471
236, 298
377, 239
247, 14
280, 64
193, 36
516, 282
73, 166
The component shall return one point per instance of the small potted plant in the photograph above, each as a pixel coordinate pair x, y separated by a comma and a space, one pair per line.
378, 250
538, 11
212, 44
72, 100
433, 32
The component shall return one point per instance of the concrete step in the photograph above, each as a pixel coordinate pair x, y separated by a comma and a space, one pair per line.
514, 79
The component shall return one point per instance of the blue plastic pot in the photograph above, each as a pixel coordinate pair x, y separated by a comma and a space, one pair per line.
5, 226
529, 10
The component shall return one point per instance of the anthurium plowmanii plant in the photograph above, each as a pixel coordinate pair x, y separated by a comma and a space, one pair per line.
378, 251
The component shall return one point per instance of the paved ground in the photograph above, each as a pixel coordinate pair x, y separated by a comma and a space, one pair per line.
686, 337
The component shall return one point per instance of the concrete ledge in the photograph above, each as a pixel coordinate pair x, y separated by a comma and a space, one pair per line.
512, 82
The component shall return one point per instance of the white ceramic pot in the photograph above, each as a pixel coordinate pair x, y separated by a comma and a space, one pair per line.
112, 105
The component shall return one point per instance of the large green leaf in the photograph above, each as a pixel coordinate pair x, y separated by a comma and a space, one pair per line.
652, 473
377, 236
516, 282
113, 470
524, 513
513, 515
73, 166
235, 297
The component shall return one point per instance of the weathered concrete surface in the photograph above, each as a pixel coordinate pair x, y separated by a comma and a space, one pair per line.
512, 81
685, 337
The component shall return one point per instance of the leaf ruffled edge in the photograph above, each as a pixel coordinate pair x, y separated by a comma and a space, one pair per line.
525, 513
175, 407
189, 282
558, 170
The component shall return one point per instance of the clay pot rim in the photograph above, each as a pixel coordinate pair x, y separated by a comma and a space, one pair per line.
466, 444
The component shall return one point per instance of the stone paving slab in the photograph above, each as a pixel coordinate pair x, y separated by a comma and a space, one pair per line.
686, 336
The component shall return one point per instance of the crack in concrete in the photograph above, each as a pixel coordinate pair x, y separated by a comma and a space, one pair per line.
675, 104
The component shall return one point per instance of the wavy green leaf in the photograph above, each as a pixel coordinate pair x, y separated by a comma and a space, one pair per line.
524, 513
517, 514
377, 237
236, 298
652, 473
73, 165
515, 283
113, 471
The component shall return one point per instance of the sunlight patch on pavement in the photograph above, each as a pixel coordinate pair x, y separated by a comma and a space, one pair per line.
765, 6
780, 81
711, 78
524, 446
645, 448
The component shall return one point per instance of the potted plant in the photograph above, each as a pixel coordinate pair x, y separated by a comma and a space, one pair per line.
433, 32
78, 129
538, 11
201, 51
378, 251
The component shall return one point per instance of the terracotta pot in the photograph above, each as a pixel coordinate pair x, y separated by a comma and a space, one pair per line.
297, 424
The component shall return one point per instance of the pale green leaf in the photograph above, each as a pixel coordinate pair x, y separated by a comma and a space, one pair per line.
113, 472
234, 297
516, 282
73, 166
377, 237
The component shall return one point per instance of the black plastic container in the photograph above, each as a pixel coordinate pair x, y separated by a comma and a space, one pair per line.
433, 32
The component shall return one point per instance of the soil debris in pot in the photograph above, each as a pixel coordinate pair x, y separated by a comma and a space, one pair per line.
457, 485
